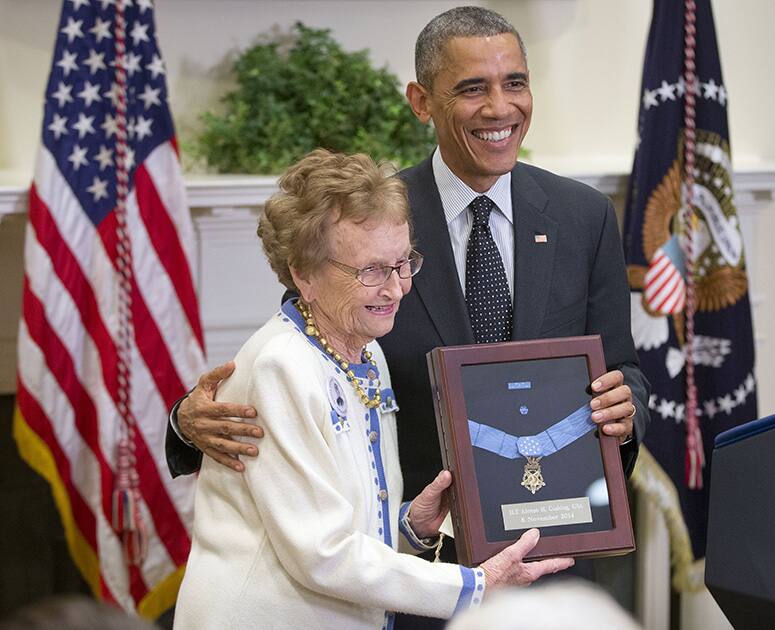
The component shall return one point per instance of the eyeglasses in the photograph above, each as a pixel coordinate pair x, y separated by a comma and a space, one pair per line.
376, 275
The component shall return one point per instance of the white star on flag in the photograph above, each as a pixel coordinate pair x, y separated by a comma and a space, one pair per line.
62, 95
156, 66
96, 61
101, 29
132, 63
109, 125
99, 188
84, 125
143, 5
77, 4
106, 3
666, 91
711, 90
142, 127
650, 99
150, 96
104, 157
666, 409
139, 33
67, 62
726, 404
710, 408
59, 126
90, 93
78, 157
72, 30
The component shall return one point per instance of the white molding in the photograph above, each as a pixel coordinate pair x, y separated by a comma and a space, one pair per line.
230, 191
13, 200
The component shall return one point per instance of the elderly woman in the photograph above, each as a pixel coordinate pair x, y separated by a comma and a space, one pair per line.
307, 537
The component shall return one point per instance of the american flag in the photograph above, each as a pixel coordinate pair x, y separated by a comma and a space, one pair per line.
110, 332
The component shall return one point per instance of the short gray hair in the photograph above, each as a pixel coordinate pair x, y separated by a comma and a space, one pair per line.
457, 22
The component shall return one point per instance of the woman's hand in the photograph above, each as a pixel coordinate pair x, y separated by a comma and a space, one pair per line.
507, 568
430, 507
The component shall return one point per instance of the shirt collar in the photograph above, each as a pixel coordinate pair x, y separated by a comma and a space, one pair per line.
456, 195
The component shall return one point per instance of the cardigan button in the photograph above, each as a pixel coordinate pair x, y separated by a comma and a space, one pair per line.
383, 495
373, 437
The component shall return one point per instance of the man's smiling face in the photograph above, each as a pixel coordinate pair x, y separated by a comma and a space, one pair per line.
481, 105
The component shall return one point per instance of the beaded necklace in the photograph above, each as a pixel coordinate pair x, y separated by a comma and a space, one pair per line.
311, 330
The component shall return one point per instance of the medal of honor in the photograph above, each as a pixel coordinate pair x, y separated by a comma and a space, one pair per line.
533, 447
532, 479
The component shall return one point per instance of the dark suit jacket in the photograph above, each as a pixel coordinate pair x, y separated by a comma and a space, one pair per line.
574, 284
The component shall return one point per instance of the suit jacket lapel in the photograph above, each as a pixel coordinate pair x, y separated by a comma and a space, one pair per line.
533, 259
437, 285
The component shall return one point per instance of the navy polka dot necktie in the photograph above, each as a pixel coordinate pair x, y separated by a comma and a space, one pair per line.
487, 289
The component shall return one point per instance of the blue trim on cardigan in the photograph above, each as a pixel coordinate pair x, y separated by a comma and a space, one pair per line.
372, 417
380, 481
467, 591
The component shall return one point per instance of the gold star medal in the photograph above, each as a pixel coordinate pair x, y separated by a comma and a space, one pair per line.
532, 479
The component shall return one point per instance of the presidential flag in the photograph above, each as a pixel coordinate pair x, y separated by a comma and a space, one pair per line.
691, 316
110, 331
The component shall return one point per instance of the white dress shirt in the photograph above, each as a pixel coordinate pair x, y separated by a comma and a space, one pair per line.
456, 196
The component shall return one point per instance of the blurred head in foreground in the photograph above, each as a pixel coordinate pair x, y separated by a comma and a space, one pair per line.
72, 612
566, 605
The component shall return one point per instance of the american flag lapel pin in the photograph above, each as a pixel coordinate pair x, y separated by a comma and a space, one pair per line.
540, 238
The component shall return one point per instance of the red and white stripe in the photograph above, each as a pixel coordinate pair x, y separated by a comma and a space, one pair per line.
664, 287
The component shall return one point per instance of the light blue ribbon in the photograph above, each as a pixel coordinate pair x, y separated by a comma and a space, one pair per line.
556, 437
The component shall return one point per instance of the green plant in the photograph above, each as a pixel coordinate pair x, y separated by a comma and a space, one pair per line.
314, 94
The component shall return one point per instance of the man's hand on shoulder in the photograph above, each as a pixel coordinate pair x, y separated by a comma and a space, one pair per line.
208, 424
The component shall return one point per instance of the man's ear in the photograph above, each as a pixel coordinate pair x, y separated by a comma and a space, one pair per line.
303, 284
419, 101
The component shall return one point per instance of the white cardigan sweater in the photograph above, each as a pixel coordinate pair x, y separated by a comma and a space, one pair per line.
307, 536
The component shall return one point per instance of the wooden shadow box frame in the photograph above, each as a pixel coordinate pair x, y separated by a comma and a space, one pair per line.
446, 366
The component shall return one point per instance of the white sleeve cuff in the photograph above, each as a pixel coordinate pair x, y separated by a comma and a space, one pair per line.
174, 421
472, 593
